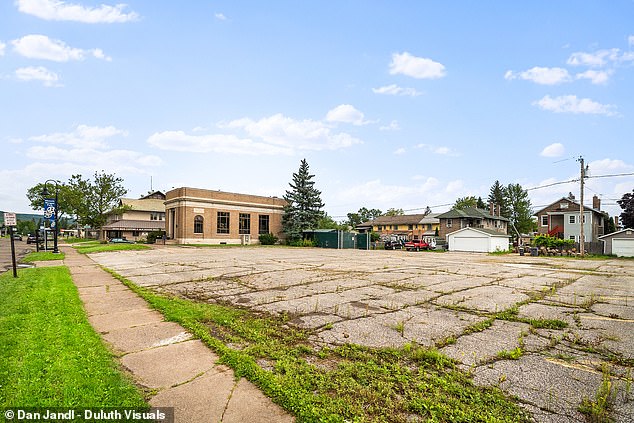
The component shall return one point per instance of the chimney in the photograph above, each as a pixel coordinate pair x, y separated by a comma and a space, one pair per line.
491, 206
498, 210
616, 222
596, 203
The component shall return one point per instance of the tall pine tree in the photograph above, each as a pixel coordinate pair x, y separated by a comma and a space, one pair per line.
521, 215
497, 196
303, 209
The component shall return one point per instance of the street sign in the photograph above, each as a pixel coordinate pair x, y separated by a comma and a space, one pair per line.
10, 219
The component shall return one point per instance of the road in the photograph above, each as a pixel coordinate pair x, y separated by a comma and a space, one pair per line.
21, 249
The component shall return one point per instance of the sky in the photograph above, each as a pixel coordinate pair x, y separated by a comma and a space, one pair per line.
394, 104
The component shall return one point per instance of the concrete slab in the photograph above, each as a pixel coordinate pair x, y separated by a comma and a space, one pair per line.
124, 319
248, 404
179, 363
204, 399
139, 338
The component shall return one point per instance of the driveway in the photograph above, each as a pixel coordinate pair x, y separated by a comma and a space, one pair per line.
547, 330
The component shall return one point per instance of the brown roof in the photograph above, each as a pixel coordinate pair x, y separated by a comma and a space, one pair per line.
135, 225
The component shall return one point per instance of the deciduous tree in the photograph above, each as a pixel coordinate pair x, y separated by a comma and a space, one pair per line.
627, 205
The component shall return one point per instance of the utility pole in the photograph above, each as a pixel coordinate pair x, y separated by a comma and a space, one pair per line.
582, 237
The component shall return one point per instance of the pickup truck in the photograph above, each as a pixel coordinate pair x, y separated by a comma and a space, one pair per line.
416, 245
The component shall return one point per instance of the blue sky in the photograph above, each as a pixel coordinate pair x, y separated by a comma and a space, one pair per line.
402, 104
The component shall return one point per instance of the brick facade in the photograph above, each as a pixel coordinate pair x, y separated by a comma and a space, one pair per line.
192, 216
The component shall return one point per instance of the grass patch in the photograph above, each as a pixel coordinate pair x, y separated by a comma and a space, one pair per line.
598, 410
89, 248
74, 240
42, 256
347, 383
50, 356
514, 354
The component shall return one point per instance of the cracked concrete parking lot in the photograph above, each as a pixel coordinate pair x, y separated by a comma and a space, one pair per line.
543, 329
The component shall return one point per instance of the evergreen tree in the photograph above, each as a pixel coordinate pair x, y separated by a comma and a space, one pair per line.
627, 205
303, 208
481, 204
611, 227
519, 205
497, 196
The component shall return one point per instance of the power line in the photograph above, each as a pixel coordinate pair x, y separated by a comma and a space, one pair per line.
612, 176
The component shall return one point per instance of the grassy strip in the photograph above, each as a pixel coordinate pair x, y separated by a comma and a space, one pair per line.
50, 356
89, 248
348, 383
74, 240
42, 256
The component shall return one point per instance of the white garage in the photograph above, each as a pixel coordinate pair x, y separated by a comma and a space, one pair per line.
477, 240
619, 243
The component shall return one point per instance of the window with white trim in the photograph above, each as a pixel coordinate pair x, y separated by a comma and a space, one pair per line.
544, 220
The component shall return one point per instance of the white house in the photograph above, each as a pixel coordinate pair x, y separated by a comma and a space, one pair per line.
477, 240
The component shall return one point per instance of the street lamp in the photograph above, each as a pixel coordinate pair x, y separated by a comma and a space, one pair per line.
47, 210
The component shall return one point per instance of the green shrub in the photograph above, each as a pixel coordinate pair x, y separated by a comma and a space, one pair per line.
268, 239
552, 242
302, 243
374, 237
153, 236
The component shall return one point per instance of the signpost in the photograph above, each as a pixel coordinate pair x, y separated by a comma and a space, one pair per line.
11, 221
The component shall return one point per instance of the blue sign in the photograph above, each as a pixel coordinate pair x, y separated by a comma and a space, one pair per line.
50, 209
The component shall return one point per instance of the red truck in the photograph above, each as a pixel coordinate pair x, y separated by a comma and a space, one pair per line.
416, 245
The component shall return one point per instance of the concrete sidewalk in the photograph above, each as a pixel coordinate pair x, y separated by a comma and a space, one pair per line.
163, 357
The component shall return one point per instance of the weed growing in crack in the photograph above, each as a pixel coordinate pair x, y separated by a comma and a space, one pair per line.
598, 410
514, 354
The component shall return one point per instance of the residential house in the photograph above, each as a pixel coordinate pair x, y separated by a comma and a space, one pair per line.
562, 219
407, 226
200, 216
139, 217
471, 217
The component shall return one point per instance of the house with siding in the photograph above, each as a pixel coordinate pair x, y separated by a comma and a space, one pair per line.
471, 217
139, 217
561, 219
408, 226
201, 216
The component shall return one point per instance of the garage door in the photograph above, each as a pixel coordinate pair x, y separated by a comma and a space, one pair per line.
478, 245
623, 247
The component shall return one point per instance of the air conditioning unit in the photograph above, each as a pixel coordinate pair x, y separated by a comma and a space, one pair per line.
245, 239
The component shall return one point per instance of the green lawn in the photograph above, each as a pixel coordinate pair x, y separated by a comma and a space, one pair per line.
347, 383
49, 354
42, 256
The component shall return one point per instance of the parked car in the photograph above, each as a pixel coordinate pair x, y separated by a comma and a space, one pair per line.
394, 244
17, 237
120, 241
30, 239
416, 245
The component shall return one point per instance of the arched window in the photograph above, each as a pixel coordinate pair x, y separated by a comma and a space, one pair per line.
198, 224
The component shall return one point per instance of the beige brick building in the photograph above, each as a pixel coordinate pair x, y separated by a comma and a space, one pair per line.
200, 216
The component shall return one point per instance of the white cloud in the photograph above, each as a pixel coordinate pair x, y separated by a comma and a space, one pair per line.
454, 186
40, 73
416, 67
57, 10
598, 58
607, 166
220, 16
214, 143
36, 46
572, 104
392, 126
399, 151
2, 47
597, 77
540, 75
553, 150
83, 136
396, 90
346, 113
442, 150
274, 135
304, 134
